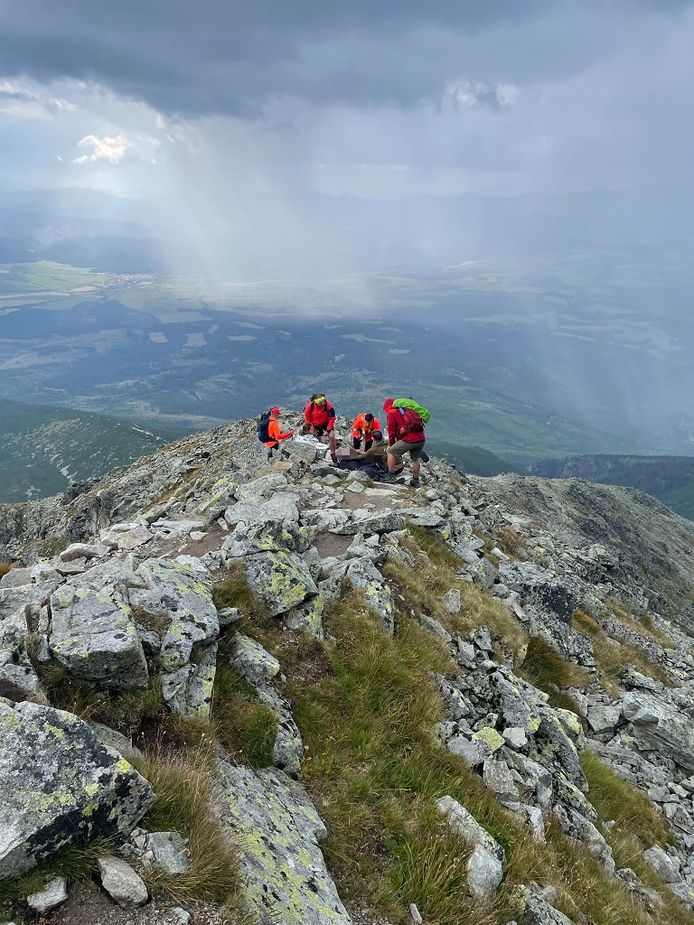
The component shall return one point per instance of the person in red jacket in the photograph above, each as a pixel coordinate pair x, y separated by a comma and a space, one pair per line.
319, 415
274, 433
405, 435
363, 428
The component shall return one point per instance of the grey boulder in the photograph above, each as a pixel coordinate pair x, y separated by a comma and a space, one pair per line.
665, 866
93, 634
484, 873
58, 785
179, 595
660, 727
169, 852
121, 882
278, 832
50, 897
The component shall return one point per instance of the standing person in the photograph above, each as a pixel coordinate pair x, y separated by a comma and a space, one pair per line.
319, 415
363, 428
405, 435
269, 431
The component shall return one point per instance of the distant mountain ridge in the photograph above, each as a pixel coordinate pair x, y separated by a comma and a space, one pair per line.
668, 478
43, 449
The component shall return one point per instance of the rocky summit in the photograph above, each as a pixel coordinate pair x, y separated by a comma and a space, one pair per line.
235, 689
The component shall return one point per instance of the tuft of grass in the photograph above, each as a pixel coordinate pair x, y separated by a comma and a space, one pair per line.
636, 824
368, 726
512, 542
155, 622
243, 725
75, 862
582, 621
375, 768
183, 786
615, 799
126, 711
544, 667
644, 627
613, 655
424, 585
437, 551
234, 591
489, 544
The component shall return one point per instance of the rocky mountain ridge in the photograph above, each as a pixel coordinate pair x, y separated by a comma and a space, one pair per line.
669, 478
207, 609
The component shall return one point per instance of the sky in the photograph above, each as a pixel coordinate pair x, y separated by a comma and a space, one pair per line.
291, 98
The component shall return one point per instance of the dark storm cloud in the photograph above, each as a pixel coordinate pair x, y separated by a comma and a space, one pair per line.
233, 57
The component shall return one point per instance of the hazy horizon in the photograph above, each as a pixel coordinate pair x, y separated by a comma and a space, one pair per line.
511, 178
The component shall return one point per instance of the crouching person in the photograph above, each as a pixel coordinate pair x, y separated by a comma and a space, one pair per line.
269, 431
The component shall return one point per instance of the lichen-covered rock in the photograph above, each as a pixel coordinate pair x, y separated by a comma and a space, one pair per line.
58, 785
307, 617
188, 690
17, 676
534, 910
252, 661
576, 826
281, 579
260, 669
484, 873
180, 596
363, 575
451, 600
467, 827
540, 587
604, 717
14, 597
169, 851
276, 829
279, 509
663, 864
94, 635
383, 522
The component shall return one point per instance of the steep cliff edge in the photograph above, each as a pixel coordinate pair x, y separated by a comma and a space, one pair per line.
276, 691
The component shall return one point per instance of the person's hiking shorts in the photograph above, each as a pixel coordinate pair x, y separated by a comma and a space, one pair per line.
399, 449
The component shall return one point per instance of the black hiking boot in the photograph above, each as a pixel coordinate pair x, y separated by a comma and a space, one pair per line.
415, 483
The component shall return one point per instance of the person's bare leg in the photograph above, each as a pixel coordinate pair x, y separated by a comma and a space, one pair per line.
416, 466
392, 462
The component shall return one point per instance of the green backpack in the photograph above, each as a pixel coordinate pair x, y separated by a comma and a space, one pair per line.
414, 406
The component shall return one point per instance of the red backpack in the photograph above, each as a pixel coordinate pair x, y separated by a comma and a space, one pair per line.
410, 422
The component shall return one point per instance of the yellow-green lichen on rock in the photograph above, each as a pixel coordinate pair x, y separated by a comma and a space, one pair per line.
59, 785
281, 580
277, 831
93, 634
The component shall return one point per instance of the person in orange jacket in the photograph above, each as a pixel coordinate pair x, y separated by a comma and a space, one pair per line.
363, 429
319, 416
274, 433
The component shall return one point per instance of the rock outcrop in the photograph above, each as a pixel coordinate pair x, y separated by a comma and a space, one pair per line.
112, 594
59, 785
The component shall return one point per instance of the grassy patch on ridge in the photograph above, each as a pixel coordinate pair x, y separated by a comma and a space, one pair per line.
375, 769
